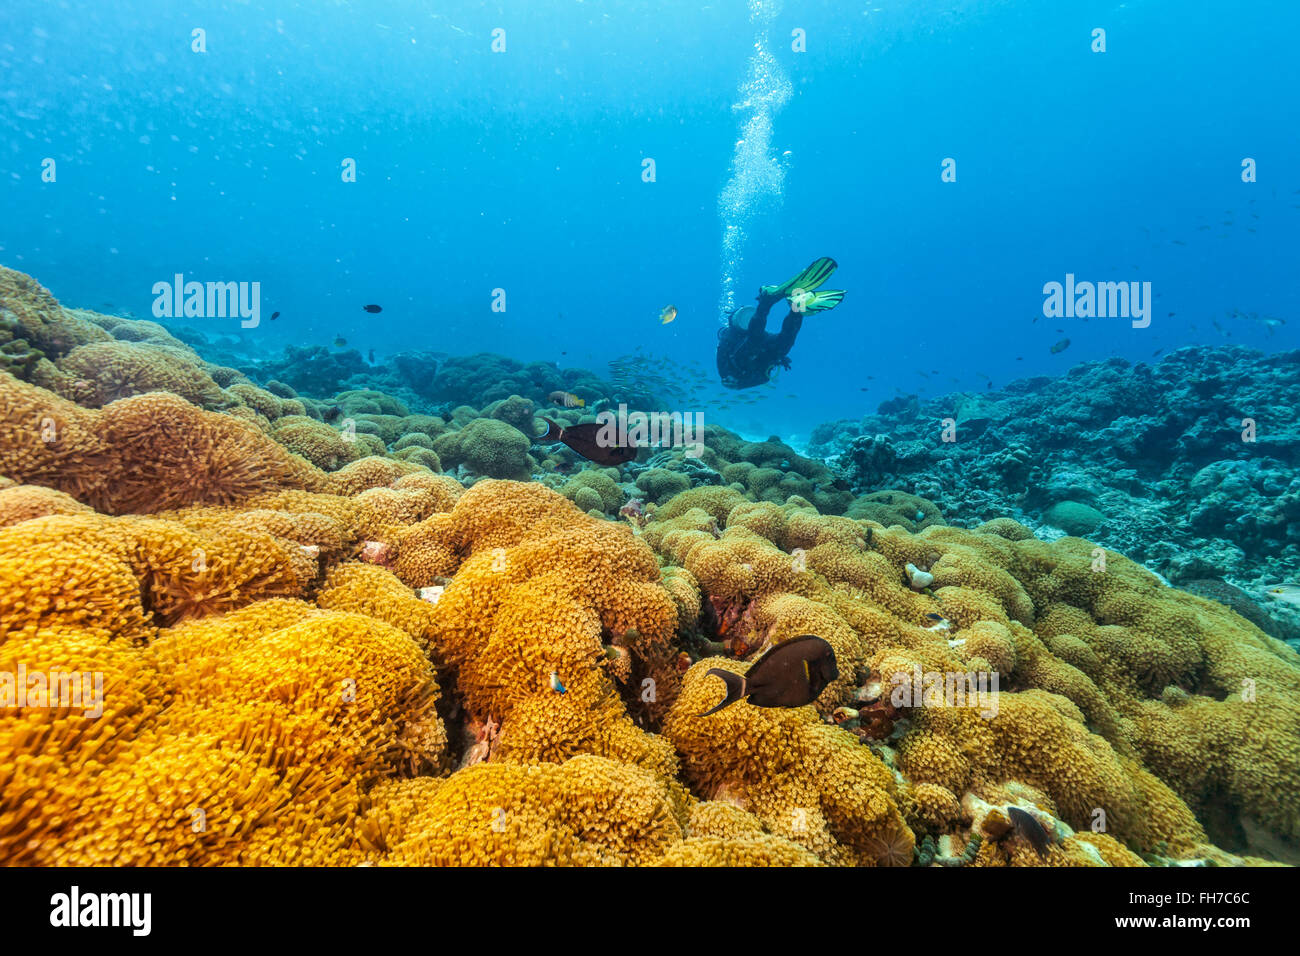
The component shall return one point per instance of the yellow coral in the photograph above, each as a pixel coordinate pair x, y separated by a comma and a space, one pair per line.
145, 453
587, 811
103, 372
806, 781
22, 502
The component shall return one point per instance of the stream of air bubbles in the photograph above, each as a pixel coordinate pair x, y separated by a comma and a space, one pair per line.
757, 174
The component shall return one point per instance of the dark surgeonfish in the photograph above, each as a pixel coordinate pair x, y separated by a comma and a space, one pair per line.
585, 441
1028, 828
373, 309
791, 674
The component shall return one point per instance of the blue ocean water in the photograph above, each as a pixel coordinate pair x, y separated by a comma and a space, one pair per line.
523, 169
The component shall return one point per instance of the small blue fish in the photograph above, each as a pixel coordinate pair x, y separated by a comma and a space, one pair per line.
555, 683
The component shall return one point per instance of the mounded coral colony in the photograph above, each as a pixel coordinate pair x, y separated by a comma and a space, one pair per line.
317, 649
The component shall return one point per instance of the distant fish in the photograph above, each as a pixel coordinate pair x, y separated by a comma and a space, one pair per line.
373, 309
1290, 593
566, 400
791, 674
274, 316
340, 342
1269, 322
1028, 828
371, 357
586, 441
1156, 352
1060, 346
668, 313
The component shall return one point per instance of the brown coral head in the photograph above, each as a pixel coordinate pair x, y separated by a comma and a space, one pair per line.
876, 719
485, 733
875, 726
377, 552
870, 692
727, 613
842, 714
995, 825
893, 847
739, 646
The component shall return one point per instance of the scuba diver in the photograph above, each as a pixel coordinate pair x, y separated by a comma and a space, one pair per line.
747, 353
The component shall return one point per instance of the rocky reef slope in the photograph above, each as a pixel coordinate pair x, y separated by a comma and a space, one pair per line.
1188, 465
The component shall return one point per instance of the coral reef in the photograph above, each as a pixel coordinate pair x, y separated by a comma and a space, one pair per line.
296, 643
1188, 465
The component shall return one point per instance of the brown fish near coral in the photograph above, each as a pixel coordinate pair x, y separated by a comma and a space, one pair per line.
1027, 827
790, 674
586, 441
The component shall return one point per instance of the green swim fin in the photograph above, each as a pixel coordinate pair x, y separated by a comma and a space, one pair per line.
808, 280
807, 303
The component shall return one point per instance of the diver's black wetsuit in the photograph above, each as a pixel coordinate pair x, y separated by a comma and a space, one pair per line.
747, 352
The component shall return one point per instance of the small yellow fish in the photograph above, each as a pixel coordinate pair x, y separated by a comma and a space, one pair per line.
567, 400
668, 314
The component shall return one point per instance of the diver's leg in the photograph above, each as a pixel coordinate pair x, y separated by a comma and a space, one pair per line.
758, 324
784, 340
